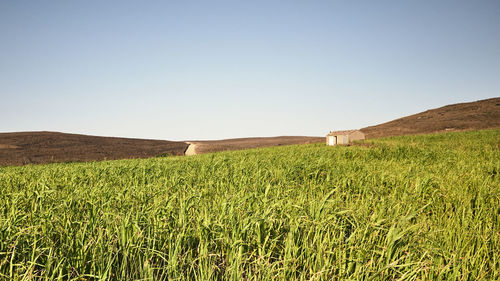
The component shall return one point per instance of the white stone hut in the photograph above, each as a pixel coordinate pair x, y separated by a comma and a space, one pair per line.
344, 137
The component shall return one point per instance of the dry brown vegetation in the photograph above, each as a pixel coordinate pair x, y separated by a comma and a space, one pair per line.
483, 114
48, 147
247, 143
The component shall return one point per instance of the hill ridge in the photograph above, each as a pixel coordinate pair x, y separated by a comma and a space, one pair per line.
38, 147
481, 114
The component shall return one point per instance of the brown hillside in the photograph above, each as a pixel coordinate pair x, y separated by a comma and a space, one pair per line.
483, 114
48, 147
247, 143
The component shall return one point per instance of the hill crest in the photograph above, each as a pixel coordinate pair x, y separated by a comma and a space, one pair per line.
477, 115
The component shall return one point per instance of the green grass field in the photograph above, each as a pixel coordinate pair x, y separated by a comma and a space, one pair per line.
402, 208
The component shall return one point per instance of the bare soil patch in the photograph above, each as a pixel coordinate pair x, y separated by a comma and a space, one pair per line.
191, 150
8, 146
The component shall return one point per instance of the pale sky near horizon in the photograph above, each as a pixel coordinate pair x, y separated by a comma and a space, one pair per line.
180, 70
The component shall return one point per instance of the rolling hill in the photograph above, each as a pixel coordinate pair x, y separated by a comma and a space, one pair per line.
49, 147
22, 148
483, 114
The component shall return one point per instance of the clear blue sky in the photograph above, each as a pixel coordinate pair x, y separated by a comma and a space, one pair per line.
220, 69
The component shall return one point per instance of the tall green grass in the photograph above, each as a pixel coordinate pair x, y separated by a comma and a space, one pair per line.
404, 208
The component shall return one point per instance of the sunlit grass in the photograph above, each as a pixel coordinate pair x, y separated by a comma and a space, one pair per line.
407, 208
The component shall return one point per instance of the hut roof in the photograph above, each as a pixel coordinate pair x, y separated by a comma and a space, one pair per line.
347, 132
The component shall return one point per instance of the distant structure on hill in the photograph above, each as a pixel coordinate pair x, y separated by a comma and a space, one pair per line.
344, 137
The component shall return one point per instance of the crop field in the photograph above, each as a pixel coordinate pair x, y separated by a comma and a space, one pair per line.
401, 208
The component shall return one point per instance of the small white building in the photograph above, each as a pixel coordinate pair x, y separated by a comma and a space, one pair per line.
344, 137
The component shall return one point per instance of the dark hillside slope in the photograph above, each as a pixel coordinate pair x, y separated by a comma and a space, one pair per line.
48, 147
483, 114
